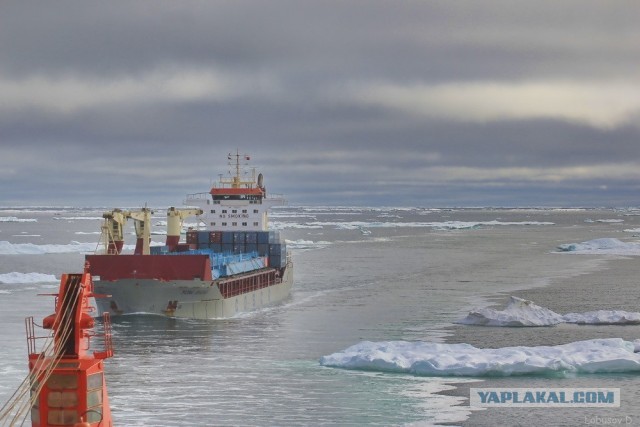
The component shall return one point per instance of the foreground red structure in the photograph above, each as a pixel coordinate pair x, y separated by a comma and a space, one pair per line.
67, 381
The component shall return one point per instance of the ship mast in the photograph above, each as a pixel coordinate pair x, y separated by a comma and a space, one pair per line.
236, 180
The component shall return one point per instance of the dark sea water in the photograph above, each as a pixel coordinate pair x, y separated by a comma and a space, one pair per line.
361, 274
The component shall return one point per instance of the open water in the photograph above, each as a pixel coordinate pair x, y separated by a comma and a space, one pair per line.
361, 274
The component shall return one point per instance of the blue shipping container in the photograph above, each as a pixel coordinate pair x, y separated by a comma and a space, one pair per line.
274, 236
227, 237
275, 249
203, 237
263, 237
263, 249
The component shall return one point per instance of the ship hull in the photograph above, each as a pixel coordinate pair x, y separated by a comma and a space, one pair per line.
194, 299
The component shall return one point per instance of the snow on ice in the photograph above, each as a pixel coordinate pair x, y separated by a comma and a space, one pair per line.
436, 359
521, 312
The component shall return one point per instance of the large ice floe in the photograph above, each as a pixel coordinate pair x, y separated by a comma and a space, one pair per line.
436, 359
605, 246
521, 312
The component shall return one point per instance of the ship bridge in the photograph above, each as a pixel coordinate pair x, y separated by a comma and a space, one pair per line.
238, 202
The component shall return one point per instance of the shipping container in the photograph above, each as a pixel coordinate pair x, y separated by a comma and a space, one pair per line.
238, 248
227, 237
251, 247
185, 247
227, 248
274, 236
238, 237
216, 247
278, 261
277, 249
203, 237
215, 237
263, 237
192, 236
263, 249
251, 237
158, 250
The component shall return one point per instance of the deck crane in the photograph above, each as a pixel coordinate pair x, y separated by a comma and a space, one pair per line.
113, 231
175, 218
142, 223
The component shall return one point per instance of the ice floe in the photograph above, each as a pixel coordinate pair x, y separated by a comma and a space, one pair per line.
437, 359
604, 246
359, 225
16, 219
306, 244
8, 248
521, 312
15, 277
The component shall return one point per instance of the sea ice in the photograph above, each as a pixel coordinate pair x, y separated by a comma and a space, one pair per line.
16, 219
16, 277
8, 248
436, 359
606, 246
521, 312
306, 244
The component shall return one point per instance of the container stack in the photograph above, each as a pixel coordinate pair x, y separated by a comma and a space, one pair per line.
265, 243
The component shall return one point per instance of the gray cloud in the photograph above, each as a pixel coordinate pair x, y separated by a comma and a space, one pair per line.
377, 102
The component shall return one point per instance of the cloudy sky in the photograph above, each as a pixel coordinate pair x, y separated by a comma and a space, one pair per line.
349, 102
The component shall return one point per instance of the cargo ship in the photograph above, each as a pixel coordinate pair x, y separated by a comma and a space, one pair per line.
229, 263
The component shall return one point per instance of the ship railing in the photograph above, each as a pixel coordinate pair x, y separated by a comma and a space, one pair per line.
247, 284
107, 340
31, 335
196, 196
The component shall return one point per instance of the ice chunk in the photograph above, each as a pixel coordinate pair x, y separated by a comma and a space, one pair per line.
603, 317
519, 312
436, 359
